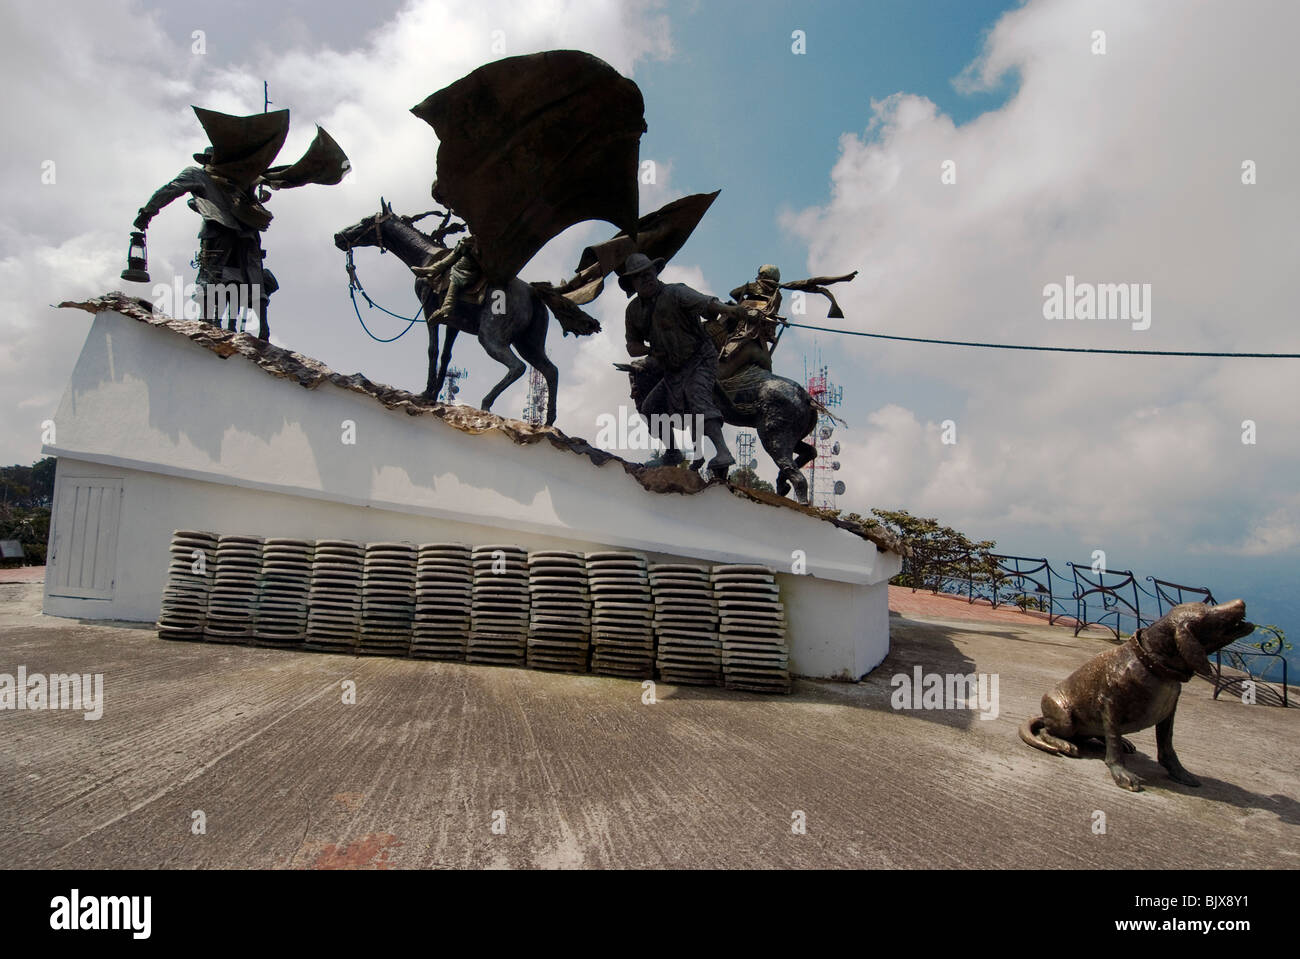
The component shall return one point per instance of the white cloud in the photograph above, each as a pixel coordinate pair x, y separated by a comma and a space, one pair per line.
1117, 168
1277, 532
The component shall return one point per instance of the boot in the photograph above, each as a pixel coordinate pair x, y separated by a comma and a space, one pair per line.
448, 303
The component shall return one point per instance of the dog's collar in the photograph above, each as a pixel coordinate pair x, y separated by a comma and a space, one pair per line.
1160, 669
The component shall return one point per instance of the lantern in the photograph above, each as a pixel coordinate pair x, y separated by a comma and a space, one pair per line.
137, 259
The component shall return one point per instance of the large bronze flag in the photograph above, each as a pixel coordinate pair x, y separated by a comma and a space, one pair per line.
324, 163
531, 145
243, 147
658, 234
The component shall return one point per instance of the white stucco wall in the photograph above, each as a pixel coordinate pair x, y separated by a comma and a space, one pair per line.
202, 442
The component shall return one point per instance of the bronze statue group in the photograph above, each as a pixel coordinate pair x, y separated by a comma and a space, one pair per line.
521, 129
694, 356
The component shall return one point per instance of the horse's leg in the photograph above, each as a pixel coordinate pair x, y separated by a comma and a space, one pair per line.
499, 349
804, 453
532, 347
788, 474
446, 359
542, 363
432, 385
800, 484
780, 439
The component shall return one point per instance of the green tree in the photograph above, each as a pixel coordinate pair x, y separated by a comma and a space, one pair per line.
43, 481
746, 477
26, 494
939, 553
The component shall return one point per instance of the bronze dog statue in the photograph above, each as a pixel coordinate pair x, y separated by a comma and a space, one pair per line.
1134, 686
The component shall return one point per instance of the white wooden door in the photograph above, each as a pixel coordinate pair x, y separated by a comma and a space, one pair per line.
83, 537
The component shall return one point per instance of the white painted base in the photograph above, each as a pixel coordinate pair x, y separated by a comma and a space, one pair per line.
837, 630
198, 442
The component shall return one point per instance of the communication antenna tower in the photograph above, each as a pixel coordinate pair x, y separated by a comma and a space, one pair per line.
449, 390
745, 458
535, 405
823, 486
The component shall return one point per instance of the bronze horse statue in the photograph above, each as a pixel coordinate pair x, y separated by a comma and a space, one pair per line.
521, 326
779, 409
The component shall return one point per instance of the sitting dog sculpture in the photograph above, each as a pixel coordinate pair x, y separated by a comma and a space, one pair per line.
1134, 686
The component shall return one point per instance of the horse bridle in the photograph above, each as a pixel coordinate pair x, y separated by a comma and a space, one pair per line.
354, 283
383, 217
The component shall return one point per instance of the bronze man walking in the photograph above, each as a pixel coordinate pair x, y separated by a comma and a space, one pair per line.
664, 322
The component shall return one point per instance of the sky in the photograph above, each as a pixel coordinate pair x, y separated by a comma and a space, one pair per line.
1114, 165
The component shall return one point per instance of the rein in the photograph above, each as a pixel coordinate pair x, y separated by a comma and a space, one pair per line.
355, 287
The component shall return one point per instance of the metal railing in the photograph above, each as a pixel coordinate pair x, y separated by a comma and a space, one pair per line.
1245, 657
1111, 599
1112, 589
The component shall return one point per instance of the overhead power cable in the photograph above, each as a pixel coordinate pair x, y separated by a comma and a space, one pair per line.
1044, 349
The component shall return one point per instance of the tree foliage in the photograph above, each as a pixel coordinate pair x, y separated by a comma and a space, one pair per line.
940, 554
746, 477
26, 494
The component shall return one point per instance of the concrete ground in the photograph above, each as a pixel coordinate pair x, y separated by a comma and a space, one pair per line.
582, 773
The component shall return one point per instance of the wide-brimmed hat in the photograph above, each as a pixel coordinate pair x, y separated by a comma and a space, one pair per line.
205, 157
638, 263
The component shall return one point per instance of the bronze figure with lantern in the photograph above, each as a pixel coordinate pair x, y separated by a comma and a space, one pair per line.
228, 189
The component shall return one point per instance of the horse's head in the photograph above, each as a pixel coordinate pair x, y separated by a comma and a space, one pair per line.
368, 232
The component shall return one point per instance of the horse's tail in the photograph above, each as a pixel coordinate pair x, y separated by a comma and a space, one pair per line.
572, 318
821, 409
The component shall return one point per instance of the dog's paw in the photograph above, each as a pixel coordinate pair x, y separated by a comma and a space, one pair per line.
1180, 775
1125, 779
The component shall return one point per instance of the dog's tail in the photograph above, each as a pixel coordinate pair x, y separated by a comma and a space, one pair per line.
1029, 733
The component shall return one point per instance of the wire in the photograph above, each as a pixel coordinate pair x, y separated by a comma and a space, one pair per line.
1044, 349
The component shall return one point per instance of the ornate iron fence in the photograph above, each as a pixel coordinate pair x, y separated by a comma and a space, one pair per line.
1111, 599
1173, 594
1111, 591
1245, 657
1016, 573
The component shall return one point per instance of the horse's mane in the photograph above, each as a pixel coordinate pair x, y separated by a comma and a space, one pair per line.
437, 237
